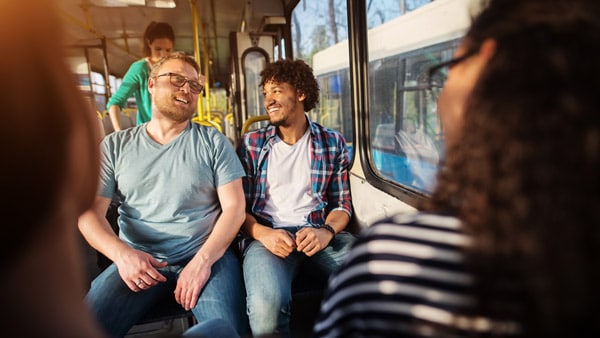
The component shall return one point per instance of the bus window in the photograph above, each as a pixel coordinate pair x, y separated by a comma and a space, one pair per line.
80, 68
403, 107
99, 89
406, 137
254, 62
114, 83
320, 38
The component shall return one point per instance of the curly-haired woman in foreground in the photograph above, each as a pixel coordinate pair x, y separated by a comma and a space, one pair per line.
509, 243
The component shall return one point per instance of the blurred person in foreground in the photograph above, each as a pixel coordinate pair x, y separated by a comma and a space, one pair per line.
48, 142
509, 242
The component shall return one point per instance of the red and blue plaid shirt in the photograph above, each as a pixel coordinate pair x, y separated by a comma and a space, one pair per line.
329, 171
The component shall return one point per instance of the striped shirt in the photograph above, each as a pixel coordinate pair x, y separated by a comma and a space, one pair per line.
328, 171
404, 277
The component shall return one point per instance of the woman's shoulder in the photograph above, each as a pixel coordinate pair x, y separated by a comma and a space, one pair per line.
140, 65
423, 220
425, 228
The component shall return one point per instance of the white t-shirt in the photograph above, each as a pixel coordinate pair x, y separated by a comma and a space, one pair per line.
289, 190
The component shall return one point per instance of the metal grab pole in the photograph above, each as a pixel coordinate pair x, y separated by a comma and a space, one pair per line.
194, 10
206, 71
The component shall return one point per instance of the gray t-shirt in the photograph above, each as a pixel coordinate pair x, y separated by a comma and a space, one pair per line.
169, 202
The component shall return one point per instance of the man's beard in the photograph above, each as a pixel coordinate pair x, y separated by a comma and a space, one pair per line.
174, 112
276, 123
282, 121
179, 115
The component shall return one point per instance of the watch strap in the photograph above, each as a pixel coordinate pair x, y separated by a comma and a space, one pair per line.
326, 227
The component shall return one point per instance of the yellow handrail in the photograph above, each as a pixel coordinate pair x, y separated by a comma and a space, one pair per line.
251, 120
216, 114
129, 111
208, 123
229, 118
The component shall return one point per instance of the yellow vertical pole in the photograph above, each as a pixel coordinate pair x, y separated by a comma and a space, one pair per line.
194, 11
206, 71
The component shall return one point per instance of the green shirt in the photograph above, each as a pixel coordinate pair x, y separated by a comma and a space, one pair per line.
135, 83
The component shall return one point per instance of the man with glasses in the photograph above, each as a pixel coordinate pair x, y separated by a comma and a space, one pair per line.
182, 205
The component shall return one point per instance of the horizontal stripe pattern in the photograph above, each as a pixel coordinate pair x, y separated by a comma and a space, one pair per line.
404, 277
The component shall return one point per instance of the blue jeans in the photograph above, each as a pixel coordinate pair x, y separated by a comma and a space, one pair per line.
268, 281
117, 308
213, 328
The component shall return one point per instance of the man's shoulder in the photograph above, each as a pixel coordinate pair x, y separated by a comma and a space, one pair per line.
258, 136
209, 134
325, 131
124, 135
198, 128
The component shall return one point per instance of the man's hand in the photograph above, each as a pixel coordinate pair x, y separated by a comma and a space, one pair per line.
138, 269
190, 283
279, 242
311, 240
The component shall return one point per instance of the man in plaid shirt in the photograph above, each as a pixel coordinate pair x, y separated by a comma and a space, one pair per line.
297, 196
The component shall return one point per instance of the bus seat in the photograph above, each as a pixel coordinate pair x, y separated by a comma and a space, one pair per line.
165, 318
230, 130
100, 123
108, 128
128, 118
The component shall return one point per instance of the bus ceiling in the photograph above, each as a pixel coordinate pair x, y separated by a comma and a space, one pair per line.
118, 26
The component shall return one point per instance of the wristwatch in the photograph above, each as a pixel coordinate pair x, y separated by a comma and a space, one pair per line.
326, 227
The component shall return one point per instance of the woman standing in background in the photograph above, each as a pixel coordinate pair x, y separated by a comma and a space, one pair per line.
159, 39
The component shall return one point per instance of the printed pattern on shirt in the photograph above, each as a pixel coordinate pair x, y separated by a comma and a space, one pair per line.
329, 171
404, 277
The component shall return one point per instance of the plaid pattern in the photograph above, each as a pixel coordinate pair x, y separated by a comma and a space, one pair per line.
329, 171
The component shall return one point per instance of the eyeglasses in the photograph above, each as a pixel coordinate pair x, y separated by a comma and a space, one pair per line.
437, 74
180, 81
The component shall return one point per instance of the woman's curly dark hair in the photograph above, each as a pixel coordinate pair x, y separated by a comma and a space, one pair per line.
524, 176
298, 74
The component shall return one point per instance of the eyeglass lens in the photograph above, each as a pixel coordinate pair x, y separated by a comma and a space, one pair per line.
437, 74
180, 81
436, 78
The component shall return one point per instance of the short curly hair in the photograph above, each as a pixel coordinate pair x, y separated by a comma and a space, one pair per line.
298, 74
